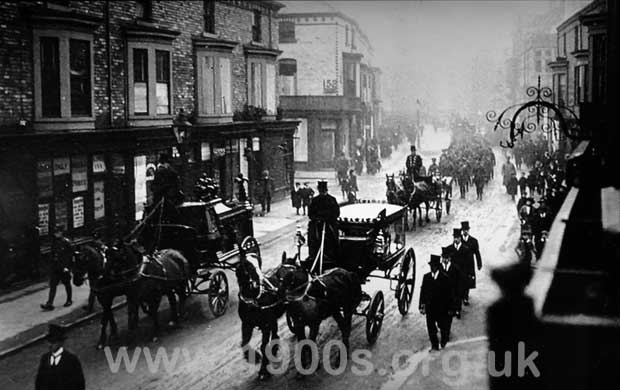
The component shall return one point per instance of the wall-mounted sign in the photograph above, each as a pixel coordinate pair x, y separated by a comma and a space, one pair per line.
44, 178
330, 86
98, 163
99, 199
79, 175
62, 166
78, 212
44, 219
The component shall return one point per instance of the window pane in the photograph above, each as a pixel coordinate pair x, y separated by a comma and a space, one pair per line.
79, 58
209, 16
162, 71
225, 85
140, 81
270, 73
256, 81
50, 77
208, 87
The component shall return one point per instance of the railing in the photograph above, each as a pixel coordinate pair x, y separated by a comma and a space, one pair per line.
320, 103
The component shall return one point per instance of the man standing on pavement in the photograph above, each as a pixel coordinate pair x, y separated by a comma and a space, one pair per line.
455, 277
435, 303
59, 369
61, 257
323, 213
307, 194
266, 190
473, 254
459, 255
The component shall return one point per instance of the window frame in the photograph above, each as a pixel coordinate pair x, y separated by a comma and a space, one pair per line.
288, 38
257, 33
264, 62
151, 114
201, 84
65, 119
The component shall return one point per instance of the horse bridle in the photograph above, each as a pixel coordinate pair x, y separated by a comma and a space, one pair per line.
262, 280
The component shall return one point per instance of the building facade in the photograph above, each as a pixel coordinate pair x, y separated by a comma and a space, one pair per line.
327, 82
95, 91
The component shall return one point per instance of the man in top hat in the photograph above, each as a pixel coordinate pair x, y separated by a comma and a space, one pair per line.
455, 276
473, 256
413, 164
436, 303
460, 256
323, 213
166, 183
58, 368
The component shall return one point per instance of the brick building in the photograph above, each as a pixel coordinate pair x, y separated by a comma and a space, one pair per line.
327, 81
90, 91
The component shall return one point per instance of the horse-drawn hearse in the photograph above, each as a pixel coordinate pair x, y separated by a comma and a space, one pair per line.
371, 244
430, 191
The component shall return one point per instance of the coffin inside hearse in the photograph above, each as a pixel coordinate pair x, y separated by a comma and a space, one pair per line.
576, 287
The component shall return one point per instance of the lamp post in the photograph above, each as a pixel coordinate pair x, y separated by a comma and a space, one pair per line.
182, 129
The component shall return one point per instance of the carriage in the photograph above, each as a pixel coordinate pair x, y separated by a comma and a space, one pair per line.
209, 234
372, 244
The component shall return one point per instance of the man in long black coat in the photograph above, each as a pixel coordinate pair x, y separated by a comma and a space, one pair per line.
166, 183
455, 277
473, 261
435, 303
59, 369
413, 164
460, 256
60, 270
323, 212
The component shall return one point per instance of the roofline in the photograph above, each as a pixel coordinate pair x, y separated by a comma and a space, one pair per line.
337, 14
575, 17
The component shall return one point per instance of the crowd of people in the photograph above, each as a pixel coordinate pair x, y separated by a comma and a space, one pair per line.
470, 161
445, 289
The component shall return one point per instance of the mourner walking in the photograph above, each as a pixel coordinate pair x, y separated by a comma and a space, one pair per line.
474, 260
460, 257
455, 276
59, 369
436, 303
323, 213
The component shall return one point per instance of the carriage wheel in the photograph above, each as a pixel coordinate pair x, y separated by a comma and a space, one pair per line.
290, 323
438, 210
406, 282
250, 245
218, 293
374, 317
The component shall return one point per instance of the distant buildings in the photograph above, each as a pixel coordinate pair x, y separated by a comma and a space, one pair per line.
328, 82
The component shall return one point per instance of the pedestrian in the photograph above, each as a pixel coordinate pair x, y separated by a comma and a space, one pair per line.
306, 196
522, 184
353, 189
267, 188
59, 369
508, 169
60, 265
455, 276
460, 256
474, 256
512, 186
242, 195
435, 303
296, 195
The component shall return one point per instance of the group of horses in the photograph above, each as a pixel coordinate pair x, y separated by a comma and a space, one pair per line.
427, 190
126, 270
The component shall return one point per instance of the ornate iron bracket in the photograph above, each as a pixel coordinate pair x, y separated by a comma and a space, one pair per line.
538, 113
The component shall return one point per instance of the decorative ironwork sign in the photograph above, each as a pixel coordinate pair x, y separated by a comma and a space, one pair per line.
537, 114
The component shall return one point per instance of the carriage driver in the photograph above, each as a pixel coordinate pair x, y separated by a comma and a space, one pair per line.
413, 164
323, 209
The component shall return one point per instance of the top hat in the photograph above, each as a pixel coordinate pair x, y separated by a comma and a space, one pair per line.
435, 259
322, 185
465, 225
412, 147
513, 277
55, 333
456, 232
445, 251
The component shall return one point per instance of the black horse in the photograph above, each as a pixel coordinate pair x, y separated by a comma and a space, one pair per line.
312, 299
260, 307
122, 272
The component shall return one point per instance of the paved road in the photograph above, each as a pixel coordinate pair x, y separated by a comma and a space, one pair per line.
211, 357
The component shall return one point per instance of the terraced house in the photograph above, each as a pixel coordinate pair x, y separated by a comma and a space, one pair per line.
93, 91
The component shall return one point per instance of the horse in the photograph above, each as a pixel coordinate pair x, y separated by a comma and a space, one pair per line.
312, 299
122, 271
96, 258
260, 306
420, 192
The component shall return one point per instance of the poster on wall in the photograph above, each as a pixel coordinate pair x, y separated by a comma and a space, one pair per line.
79, 175
44, 219
99, 199
60, 213
44, 178
98, 163
140, 180
205, 151
62, 166
78, 212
